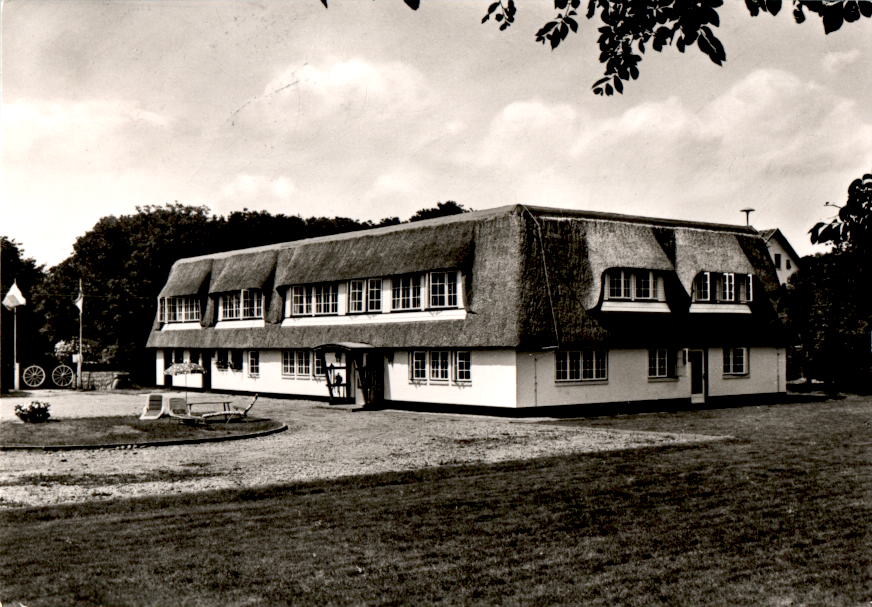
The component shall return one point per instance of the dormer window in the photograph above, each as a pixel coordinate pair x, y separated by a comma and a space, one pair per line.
179, 309
702, 287
632, 285
722, 288
727, 287
443, 289
238, 305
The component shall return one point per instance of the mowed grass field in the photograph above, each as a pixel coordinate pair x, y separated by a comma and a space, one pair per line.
779, 515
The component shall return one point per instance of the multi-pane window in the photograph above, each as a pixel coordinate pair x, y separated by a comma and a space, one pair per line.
295, 363
229, 305
702, 287
374, 295
253, 362
661, 363
439, 365
735, 361
406, 292
418, 366
317, 365
644, 285
462, 367
301, 304
364, 296
619, 284
630, 284
356, 295
317, 299
746, 287
252, 303
326, 298
443, 289
179, 309
727, 287
581, 365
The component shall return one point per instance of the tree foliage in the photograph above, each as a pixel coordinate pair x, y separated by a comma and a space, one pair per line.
16, 267
442, 209
629, 27
851, 229
827, 304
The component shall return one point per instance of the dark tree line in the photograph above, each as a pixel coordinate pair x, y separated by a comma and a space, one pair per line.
828, 308
123, 262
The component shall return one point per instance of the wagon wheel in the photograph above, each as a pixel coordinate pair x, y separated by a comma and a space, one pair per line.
62, 376
33, 376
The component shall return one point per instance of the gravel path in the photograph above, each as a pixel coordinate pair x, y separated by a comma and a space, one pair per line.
322, 442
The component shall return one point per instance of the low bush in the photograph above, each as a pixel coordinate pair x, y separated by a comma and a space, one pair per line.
34, 413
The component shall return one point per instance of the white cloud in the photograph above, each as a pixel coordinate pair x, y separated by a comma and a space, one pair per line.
255, 191
838, 60
769, 142
91, 136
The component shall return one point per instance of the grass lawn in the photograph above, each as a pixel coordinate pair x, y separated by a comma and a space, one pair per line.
120, 430
779, 516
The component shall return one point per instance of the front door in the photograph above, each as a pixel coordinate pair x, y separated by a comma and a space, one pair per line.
696, 359
372, 378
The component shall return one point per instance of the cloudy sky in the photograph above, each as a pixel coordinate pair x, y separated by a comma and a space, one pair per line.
369, 110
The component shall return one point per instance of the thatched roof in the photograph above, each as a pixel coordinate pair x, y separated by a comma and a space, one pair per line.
243, 271
533, 279
702, 250
188, 277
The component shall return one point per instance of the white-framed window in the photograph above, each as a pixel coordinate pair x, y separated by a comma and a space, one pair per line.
746, 287
439, 365
661, 363
317, 365
374, 295
735, 361
365, 295
630, 284
301, 302
252, 303
443, 289
418, 365
619, 284
581, 365
179, 309
326, 299
356, 296
727, 287
463, 367
702, 287
406, 292
229, 306
253, 363
295, 364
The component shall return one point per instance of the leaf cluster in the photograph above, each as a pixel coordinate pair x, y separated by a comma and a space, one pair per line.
629, 27
851, 229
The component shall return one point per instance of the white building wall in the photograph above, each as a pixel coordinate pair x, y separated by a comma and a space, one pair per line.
767, 368
493, 381
784, 273
159, 367
268, 380
627, 381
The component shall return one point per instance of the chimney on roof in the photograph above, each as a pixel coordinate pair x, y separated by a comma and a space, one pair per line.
747, 213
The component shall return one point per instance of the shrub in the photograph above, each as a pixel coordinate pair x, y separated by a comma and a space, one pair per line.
34, 413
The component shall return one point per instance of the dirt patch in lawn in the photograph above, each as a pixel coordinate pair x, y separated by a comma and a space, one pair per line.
324, 443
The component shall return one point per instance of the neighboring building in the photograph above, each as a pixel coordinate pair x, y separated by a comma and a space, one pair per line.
783, 256
509, 307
